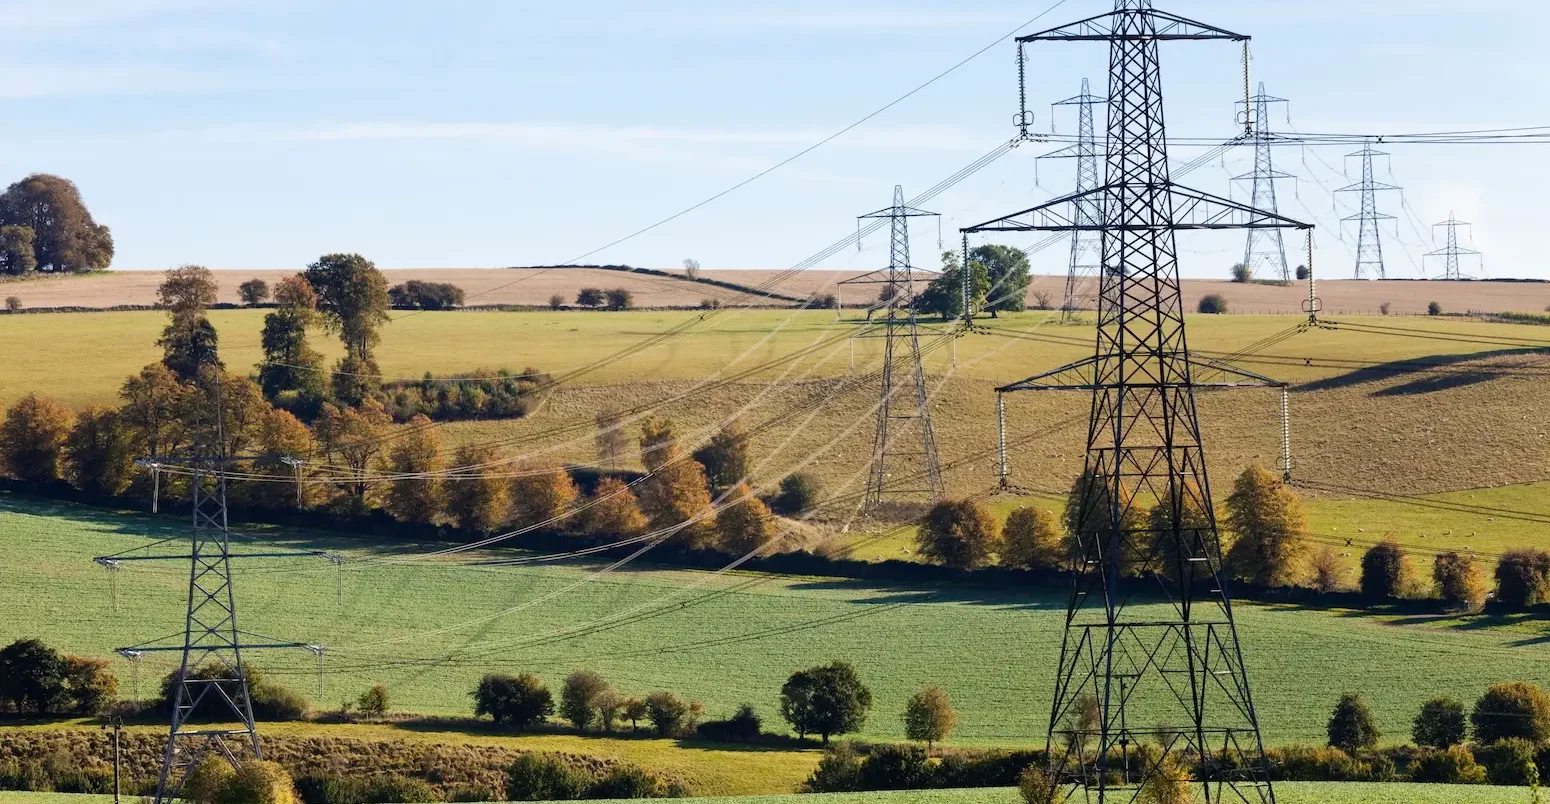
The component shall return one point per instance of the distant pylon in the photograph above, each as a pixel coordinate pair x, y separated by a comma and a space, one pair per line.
1086, 245
1369, 240
1266, 248
903, 404
1452, 252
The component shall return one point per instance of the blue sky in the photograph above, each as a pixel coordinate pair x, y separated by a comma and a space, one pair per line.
460, 133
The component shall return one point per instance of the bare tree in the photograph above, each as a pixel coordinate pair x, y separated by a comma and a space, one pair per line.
692, 269
612, 443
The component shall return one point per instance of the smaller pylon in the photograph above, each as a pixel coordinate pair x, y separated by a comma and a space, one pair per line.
1266, 248
1369, 240
1452, 253
1086, 246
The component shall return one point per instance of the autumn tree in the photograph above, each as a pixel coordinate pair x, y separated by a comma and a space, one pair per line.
612, 443
292, 370
153, 403
1030, 539
1326, 570
33, 438
353, 300
98, 452
658, 442
677, 498
745, 523
475, 500
1523, 578
414, 493
1172, 547
613, 510
929, 716
353, 438
17, 250
725, 457
282, 436
1460, 581
1267, 521
960, 534
1089, 520
189, 341
542, 495
65, 238
1512, 709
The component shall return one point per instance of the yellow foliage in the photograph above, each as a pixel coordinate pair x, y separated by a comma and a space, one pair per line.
418, 451
1268, 521
477, 501
614, 510
1031, 539
540, 494
746, 523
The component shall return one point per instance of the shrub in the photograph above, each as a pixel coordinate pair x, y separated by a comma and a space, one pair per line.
1242, 273
1453, 766
1508, 762
894, 767
207, 779
825, 700
1167, 783
373, 701
578, 698
1513, 709
628, 781
521, 700
556, 302
1326, 570
1523, 578
254, 291
1212, 304
960, 534
33, 438
1460, 581
1038, 787
798, 493
1031, 539
1440, 723
744, 726
260, 782
620, 299
1384, 569
1302, 272
418, 294
1384, 308
839, 771
929, 716
392, 788
12, 304
537, 777
710, 304
822, 301
480, 394
275, 703
1433, 308
1351, 726
666, 712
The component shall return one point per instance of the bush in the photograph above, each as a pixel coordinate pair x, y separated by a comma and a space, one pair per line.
839, 771
666, 712
929, 716
274, 703
537, 777
1523, 578
825, 700
620, 299
627, 781
420, 295
894, 767
1384, 569
253, 291
12, 304
1509, 762
400, 789
480, 394
798, 493
1514, 709
331, 788
1460, 581
521, 700
744, 726
1440, 723
1242, 273
1351, 726
1302, 273
960, 534
823, 301
373, 701
1212, 304
260, 782
1453, 766
1038, 787
1433, 308
207, 779
556, 302
1384, 308
1030, 539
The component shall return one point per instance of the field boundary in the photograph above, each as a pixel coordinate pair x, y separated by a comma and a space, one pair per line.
630, 269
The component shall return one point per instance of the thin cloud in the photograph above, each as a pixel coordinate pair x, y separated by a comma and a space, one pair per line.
848, 19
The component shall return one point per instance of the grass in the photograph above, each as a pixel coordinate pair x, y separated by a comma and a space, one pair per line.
429, 630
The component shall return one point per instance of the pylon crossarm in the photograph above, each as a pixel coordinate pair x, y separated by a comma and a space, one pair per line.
1116, 26
888, 276
1082, 376
107, 560
1192, 209
245, 646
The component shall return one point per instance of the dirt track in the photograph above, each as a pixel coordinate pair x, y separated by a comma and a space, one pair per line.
534, 287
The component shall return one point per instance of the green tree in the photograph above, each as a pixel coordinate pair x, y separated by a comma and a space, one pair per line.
798, 494
1194, 535
1440, 724
1006, 268
33, 439
725, 457
744, 522
254, 291
825, 700
944, 295
1268, 522
189, 341
353, 300
667, 712
1351, 726
1523, 578
961, 534
99, 453
1030, 539
635, 710
374, 701
1514, 709
929, 716
66, 239
291, 366
18, 256
414, 494
1460, 581
591, 297
521, 701
32, 677
475, 500
1385, 568
620, 299
1242, 273
579, 696
1212, 304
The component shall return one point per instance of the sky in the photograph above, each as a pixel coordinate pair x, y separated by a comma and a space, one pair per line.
471, 133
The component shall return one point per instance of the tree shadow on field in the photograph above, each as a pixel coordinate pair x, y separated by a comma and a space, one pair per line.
1433, 372
885, 593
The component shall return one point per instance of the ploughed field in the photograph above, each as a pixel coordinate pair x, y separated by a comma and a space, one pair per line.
429, 629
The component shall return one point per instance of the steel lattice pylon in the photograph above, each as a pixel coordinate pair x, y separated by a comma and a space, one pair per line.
1082, 273
903, 405
1266, 248
1369, 238
1452, 253
1150, 634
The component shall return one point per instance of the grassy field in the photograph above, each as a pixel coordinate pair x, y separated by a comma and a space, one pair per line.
429, 630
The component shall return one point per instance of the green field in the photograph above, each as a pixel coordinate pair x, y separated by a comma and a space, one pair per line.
429, 630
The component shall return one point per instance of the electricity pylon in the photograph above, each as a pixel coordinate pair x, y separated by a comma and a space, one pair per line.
1369, 238
1266, 248
1452, 252
1165, 667
1082, 273
903, 405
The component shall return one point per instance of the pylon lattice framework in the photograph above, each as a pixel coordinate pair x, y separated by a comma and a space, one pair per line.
1369, 238
903, 410
1265, 251
1164, 668
1452, 253
1082, 273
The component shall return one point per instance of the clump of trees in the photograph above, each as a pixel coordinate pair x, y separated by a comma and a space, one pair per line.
36, 679
45, 226
825, 700
612, 299
417, 294
1385, 569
